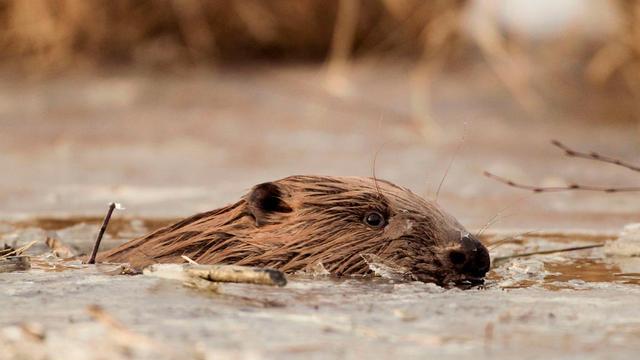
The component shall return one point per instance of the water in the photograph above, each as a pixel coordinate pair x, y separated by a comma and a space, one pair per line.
563, 305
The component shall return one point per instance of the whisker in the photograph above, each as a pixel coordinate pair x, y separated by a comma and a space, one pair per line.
455, 154
510, 238
495, 218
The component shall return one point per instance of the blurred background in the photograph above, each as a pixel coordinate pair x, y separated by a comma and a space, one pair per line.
178, 106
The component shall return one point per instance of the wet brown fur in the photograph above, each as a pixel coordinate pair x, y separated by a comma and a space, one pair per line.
297, 222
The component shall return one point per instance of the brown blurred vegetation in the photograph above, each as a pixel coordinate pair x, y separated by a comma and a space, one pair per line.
618, 56
52, 36
57, 34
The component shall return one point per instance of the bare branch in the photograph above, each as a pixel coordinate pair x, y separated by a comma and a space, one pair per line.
594, 156
570, 187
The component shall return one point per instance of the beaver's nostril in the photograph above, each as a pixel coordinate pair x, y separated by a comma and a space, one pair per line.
457, 257
472, 258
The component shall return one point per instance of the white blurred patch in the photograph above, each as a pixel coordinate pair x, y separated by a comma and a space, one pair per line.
544, 18
627, 243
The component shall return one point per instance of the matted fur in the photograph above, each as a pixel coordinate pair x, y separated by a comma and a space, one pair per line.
320, 220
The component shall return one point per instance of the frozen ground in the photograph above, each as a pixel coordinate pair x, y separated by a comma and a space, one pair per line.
310, 319
169, 146
573, 305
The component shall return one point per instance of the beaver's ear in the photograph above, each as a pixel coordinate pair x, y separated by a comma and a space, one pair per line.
264, 200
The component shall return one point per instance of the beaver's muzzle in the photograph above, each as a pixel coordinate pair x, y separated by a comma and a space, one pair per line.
471, 260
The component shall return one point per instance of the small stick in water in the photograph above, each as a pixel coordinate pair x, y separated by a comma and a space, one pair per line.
105, 223
499, 260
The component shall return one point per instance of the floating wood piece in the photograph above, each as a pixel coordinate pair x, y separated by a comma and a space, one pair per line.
195, 274
15, 263
238, 274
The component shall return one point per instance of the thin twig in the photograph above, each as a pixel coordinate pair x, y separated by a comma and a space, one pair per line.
594, 156
498, 261
570, 187
105, 223
545, 252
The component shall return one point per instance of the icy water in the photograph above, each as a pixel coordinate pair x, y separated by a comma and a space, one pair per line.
578, 304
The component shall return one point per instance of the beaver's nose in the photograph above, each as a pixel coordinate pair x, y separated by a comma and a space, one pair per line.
472, 258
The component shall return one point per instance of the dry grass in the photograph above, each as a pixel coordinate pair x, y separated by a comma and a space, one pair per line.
8, 251
46, 34
619, 57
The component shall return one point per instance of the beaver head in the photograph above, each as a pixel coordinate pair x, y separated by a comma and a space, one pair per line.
297, 222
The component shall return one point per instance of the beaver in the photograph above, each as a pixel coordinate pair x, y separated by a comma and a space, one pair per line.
300, 221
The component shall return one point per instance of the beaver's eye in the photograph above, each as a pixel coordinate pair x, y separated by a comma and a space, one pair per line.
374, 219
